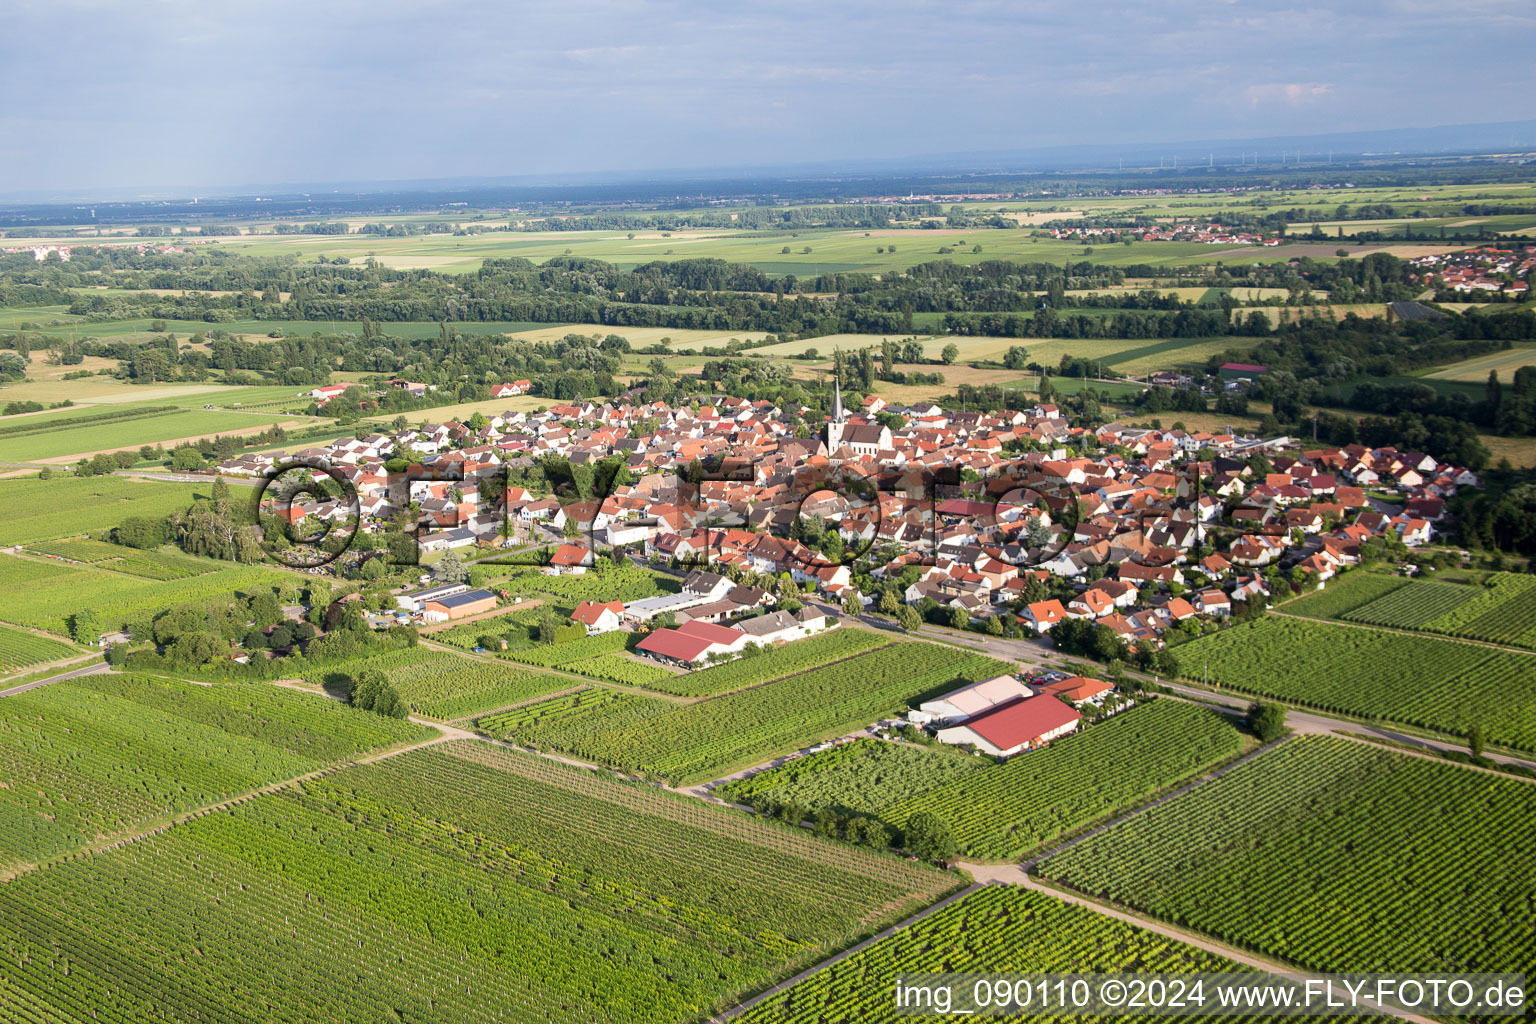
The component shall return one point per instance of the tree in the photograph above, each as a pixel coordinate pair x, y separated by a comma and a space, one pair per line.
853, 605
866, 831
909, 618
1475, 741
890, 604
451, 568
928, 838
84, 627
366, 687
1016, 358
186, 459
950, 353
994, 626
1266, 720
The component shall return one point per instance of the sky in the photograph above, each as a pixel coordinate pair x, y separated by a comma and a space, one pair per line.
162, 93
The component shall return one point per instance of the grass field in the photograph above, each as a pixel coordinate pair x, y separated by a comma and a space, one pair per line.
56, 437
1475, 371
464, 883
94, 756
446, 686
1425, 681
37, 510
1334, 855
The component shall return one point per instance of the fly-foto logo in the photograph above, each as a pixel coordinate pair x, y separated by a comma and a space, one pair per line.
822, 517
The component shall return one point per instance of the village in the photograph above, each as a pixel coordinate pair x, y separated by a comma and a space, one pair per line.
1013, 524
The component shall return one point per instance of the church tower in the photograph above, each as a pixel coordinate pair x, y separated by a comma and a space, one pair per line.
839, 421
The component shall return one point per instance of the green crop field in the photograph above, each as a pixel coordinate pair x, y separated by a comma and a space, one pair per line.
155, 565
83, 432
1344, 594
613, 583
53, 591
1502, 612
1335, 856
561, 654
997, 930
459, 883
94, 756
863, 777
445, 686
19, 648
695, 742
1014, 808
1418, 680
38, 510
518, 628
618, 669
773, 663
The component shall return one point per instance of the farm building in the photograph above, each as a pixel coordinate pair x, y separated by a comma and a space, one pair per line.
1075, 688
416, 600
599, 616
958, 705
457, 606
692, 643
1015, 726
1241, 371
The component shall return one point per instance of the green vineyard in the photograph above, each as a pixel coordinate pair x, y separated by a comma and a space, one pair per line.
447, 686
93, 756
443, 888
618, 669
54, 589
1425, 681
19, 648
1003, 929
695, 742
555, 655
1011, 809
864, 777
1335, 856
1346, 593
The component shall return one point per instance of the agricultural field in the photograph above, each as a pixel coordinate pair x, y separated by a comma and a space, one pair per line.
58, 437
54, 589
1008, 810
1344, 594
1475, 371
618, 669
563, 654
97, 755
165, 564
1501, 611
610, 583
446, 686
863, 777
517, 628
1422, 681
514, 888
772, 663
1002, 929
37, 510
695, 742
19, 649
1334, 855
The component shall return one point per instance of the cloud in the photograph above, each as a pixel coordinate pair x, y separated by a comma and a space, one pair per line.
1290, 94
174, 92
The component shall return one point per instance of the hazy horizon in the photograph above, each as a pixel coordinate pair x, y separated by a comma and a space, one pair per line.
177, 94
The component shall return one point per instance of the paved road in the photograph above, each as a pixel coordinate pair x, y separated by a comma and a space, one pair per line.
89, 670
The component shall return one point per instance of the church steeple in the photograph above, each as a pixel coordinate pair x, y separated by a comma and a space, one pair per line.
838, 415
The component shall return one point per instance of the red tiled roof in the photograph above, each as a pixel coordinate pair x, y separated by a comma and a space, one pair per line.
1022, 721
590, 611
671, 643
710, 632
1077, 687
